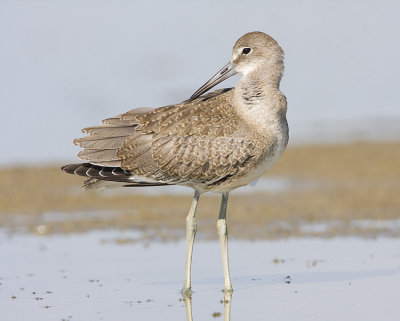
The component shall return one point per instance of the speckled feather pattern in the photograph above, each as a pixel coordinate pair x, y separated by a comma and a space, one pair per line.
194, 143
217, 142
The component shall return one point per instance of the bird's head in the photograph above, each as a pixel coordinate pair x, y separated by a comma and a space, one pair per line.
252, 51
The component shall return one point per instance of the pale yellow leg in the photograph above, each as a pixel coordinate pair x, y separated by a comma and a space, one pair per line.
223, 239
191, 229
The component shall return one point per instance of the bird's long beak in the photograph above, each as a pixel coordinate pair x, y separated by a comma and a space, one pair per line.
227, 71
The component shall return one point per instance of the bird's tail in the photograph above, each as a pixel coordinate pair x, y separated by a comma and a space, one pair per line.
102, 176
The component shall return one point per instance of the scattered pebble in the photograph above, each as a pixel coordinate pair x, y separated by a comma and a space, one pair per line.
313, 263
216, 314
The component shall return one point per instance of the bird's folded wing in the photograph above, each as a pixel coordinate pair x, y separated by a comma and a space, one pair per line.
199, 141
177, 159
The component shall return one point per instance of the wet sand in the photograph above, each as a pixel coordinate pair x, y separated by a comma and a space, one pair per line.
335, 185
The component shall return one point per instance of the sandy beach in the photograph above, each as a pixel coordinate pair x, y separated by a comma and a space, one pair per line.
336, 185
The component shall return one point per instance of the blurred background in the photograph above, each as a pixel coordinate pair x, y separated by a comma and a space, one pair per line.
66, 65
322, 226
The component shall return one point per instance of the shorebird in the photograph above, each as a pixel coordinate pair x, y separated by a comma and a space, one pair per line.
212, 142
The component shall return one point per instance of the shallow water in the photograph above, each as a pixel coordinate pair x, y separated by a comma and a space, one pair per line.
96, 276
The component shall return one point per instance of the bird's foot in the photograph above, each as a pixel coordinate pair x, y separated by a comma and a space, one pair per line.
227, 290
186, 292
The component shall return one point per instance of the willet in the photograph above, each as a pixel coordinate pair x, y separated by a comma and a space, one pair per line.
213, 142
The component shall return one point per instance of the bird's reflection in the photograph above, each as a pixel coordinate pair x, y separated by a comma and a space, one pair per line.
227, 306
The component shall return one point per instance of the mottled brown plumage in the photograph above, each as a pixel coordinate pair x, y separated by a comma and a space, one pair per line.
195, 143
208, 143
212, 142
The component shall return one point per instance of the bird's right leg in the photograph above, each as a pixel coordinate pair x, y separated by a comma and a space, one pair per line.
191, 229
223, 238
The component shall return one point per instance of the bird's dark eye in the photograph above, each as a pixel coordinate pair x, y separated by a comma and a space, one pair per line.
246, 50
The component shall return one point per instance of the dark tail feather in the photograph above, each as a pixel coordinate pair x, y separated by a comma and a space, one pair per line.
96, 173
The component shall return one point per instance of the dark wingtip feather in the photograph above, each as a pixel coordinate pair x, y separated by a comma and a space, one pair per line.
96, 173
70, 168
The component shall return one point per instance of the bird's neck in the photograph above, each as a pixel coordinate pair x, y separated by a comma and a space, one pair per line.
258, 99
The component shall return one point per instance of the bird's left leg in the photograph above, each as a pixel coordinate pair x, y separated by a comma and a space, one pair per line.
191, 229
223, 239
